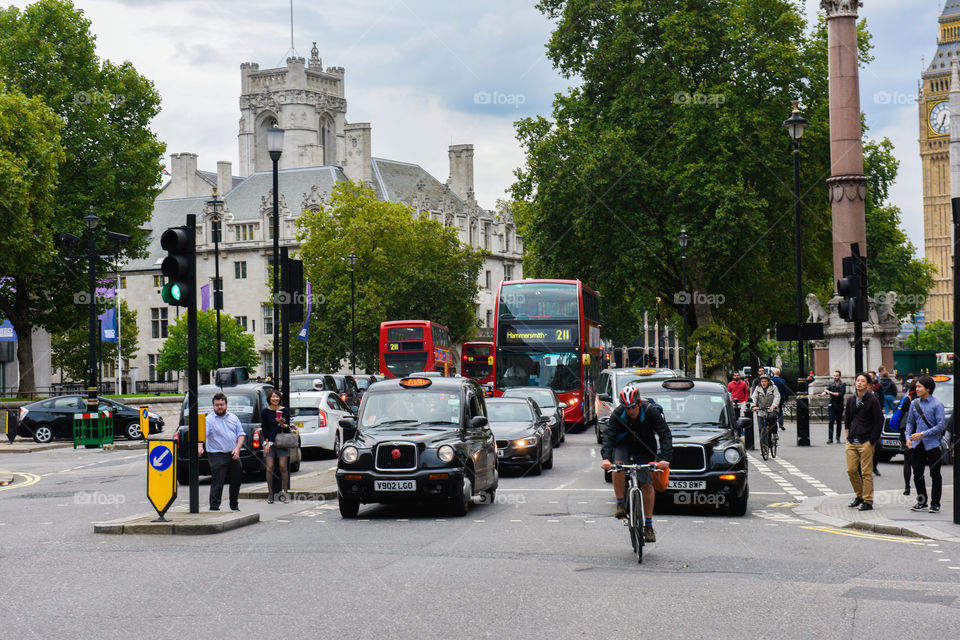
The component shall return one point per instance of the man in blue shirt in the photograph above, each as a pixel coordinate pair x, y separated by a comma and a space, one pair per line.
925, 424
224, 439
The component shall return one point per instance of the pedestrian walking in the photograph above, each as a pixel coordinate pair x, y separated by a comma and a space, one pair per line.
898, 421
925, 424
888, 389
864, 422
224, 440
835, 391
738, 391
275, 420
781, 385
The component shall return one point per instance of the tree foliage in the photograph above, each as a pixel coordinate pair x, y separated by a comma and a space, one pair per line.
239, 349
70, 349
111, 159
409, 268
716, 347
677, 123
935, 336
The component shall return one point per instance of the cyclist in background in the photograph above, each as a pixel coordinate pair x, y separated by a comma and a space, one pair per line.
631, 437
766, 400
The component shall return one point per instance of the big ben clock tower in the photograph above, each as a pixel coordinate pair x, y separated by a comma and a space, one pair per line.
935, 156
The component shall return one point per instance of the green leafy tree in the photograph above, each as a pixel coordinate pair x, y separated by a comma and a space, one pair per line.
110, 165
70, 349
239, 350
30, 158
409, 268
716, 347
935, 336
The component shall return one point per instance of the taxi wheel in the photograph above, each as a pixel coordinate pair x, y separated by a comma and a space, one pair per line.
132, 430
336, 445
43, 433
738, 506
599, 432
349, 508
461, 504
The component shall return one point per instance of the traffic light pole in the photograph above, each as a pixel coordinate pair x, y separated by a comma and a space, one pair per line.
192, 371
955, 205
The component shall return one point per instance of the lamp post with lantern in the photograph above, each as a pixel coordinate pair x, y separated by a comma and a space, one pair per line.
275, 149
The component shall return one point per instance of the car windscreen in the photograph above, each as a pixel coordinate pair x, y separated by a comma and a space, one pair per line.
705, 410
304, 384
544, 398
239, 404
509, 412
405, 406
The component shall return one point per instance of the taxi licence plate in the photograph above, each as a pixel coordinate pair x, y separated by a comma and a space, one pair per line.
890, 443
298, 425
687, 484
394, 485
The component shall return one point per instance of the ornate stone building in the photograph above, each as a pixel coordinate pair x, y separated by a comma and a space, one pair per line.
320, 149
934, 121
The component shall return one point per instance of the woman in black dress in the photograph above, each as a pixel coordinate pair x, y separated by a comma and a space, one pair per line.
276, 419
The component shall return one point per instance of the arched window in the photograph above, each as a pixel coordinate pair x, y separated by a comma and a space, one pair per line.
328, 139
265, 122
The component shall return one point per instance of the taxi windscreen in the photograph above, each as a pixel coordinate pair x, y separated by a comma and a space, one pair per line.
509, 412
406, 406
700, 409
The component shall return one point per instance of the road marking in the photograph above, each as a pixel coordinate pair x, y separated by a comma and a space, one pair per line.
794, 471
864, 534
774, 505
29, 477
776, 477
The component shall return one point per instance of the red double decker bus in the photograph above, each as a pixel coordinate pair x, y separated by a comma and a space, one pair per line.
547, 334
411, 346
476, 361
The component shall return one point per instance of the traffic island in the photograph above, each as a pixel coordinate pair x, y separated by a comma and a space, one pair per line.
319, 485
179, 523
28, 446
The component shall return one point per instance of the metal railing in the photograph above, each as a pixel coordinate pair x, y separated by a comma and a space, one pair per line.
146, 386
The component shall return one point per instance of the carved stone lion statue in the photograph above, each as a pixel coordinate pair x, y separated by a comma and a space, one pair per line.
817, 312
885, 304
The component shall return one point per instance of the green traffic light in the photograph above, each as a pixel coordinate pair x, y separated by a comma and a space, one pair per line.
173, 293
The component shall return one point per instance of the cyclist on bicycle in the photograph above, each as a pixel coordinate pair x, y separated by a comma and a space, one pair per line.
766, 400
631, 437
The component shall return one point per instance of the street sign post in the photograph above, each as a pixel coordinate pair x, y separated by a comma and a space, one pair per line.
144, 422
161, 475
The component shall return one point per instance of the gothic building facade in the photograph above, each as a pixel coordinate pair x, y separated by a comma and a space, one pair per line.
320, 148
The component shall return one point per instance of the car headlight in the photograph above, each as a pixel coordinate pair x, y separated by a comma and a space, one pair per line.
349, 455
732, 455
524, 443
445, 453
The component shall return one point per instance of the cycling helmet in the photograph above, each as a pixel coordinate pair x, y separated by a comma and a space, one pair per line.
630, 396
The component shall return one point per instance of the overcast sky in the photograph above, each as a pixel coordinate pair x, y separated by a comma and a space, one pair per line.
430, 73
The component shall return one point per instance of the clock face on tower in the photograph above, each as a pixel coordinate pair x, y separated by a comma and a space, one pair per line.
940, 118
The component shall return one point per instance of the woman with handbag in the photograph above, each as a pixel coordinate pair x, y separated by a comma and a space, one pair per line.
280, 438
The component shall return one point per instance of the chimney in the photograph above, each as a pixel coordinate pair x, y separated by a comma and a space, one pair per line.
183, 166
224, 177
461, 169
357, 165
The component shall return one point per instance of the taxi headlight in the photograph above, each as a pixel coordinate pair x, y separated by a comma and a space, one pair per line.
445, 453
732, 455
349, 455
524, 443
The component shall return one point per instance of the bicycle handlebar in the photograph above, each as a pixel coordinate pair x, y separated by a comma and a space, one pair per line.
650, 466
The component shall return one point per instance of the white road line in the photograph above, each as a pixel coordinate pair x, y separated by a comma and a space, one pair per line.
794, 471
776, 477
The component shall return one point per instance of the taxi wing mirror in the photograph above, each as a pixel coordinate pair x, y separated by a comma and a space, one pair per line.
743, 424
349, 426
604, 397
476, 422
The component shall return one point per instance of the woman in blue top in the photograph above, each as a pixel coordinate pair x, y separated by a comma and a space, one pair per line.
925, 424
271, 427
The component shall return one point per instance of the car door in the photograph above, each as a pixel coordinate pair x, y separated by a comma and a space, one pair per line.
336, 409
485, 458
605, 385
541, 428
61, 414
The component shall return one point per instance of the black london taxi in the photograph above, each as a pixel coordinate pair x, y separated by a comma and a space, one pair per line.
423, 438
709, 466
611, 383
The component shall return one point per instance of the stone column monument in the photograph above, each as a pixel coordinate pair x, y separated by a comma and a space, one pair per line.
847, 189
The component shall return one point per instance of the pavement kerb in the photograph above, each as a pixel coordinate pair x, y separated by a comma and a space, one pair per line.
319, 485
809, 509
179, 523
28, 446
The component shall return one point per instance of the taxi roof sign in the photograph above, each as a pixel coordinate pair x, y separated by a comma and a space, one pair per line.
644, 370
416, 382
941, 378
678, 384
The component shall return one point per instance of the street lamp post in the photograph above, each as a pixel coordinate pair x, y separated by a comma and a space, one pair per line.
92, 404
352, 259
683, 238
275, 148
795, 126
217, 291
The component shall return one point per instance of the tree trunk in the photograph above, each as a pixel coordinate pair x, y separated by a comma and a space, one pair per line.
27, 385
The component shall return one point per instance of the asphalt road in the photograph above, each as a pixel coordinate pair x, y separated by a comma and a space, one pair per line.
546, 561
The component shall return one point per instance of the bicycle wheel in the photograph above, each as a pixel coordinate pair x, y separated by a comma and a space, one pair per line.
764, 449
773, 446
636, 523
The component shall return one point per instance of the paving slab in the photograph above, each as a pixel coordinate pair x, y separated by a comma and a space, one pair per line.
179, 523
891, 514
318, 485
27, 446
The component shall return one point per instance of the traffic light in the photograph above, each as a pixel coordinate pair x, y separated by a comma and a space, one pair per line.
291, 282
178, 266
852, 287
